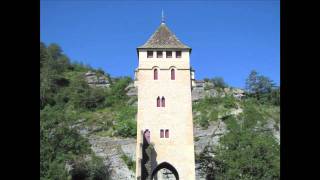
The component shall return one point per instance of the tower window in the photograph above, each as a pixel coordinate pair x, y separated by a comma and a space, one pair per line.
159, 54
169, 54
161, 133
163, 102
149, 54
155, 74
173, 76
158, 101
167, 133
178, 54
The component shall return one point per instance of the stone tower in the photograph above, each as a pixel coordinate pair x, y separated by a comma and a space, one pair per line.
163, 79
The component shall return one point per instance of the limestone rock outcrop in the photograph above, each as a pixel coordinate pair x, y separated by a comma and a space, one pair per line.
131, 90
95, 80
200, 90
110, 150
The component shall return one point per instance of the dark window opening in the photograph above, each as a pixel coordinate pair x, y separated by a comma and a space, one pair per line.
155, 74
158, 101
173, 76
163, 102
178, 54
159, 54
167, 133
149, 54
169, 54
161, 133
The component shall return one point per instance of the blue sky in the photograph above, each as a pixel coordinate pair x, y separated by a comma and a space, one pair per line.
228, 38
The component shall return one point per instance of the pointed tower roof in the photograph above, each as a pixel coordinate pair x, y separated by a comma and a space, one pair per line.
163, 38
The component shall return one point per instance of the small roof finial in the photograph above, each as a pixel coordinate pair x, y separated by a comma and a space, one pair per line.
162, 17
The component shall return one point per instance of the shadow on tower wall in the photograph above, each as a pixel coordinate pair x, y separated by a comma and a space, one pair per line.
149, 158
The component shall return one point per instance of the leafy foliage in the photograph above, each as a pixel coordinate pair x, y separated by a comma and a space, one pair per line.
64, 97
219, 82
85, 97
211, 109
117, 94
129, 162
247, 151
126, 125
262, 88
90, 170
58, 143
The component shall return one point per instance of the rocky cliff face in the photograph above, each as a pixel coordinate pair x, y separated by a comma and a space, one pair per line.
111, 150
201, 90
95, 80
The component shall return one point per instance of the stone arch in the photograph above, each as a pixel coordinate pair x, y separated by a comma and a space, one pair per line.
155, 67
167, 166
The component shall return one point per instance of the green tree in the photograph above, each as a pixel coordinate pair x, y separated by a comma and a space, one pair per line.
64, 93
252, 82
247, 151
126, 125
55, 51
219, 82
52, 65
275, 96
56, 171
85, 97
100, 71
58, 142
44, 56
90, 170
259, 86
117, 95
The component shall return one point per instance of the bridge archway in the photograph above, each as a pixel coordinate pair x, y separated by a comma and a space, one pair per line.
165, 166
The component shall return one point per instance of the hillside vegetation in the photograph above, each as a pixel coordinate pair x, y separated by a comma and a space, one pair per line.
248, 149
66, 98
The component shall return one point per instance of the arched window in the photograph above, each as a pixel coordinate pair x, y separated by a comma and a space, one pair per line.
163, 102
173, 75
155, 74
167, 133
158, 101
161, 133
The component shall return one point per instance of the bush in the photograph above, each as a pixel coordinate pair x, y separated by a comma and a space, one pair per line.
208, 87
94, 169
117, 96
203, 121
219, 82
244, 152
58, 142
129, 162
229, 102
85, 97
56, 171
125, 121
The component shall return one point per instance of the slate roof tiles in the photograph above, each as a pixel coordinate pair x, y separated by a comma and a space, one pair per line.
163, 38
